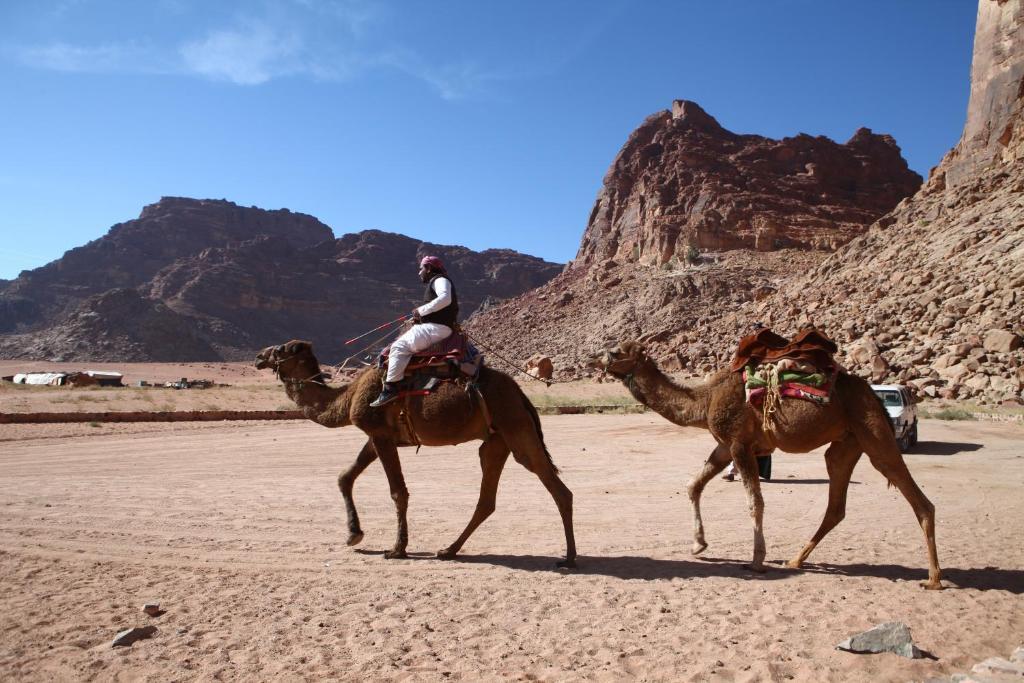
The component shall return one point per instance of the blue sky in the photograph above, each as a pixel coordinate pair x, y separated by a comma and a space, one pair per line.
487, 124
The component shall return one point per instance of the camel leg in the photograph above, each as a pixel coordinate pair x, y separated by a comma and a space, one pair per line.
493, 455
746, 463
715, 463
346, 480
399, 493
840, 459
888, 460
531, 453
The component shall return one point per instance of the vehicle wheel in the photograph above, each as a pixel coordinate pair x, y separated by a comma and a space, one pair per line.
904, 442
913, 434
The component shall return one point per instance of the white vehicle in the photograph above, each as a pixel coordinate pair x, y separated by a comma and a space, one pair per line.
899, 403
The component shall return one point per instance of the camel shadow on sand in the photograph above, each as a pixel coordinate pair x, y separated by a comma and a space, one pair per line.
978, 578
651, 569
621, 567
943, 448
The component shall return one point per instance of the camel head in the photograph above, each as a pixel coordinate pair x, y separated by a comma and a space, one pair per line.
292, 359
620, 360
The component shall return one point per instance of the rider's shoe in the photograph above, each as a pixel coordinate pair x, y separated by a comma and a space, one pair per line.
389, 394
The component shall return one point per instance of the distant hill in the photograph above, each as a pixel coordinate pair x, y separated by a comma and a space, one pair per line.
197, 280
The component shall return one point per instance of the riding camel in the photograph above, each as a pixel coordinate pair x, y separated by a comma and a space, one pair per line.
448, 416
854, 422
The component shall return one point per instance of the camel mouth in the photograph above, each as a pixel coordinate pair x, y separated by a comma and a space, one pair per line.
264, 359
603, 360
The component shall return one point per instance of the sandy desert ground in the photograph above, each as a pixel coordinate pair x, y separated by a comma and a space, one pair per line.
237, 529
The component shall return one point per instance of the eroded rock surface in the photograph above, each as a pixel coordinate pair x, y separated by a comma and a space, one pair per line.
206, 280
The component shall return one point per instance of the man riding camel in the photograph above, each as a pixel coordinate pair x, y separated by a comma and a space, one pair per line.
432, 322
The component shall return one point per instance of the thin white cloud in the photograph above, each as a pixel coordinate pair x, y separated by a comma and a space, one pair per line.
324, 40
451, 81
249, 56
84, 59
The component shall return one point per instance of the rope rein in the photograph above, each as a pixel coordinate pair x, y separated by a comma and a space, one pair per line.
510, 364
376, 342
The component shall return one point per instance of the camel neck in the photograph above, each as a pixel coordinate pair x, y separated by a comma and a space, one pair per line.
316, 399
682, 405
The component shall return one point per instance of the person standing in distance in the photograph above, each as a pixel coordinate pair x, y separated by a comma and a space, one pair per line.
432, 322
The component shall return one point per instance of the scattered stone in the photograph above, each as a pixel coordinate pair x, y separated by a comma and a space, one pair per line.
127, 637
152, 609
997, 666
890, 637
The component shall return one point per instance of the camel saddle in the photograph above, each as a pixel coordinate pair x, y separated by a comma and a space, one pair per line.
810, 345
452, 358
774, 367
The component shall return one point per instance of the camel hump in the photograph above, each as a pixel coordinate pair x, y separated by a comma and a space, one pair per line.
810, 345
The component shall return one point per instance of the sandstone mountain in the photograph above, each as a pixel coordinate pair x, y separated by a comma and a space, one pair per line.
692, 221
932, 294
207, 279
682, 181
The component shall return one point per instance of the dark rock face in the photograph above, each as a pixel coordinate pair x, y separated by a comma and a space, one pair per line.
117, 325
682, 181
132, 252
202, 280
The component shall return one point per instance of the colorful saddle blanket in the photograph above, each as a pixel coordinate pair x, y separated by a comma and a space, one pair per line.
774, 367
792, 379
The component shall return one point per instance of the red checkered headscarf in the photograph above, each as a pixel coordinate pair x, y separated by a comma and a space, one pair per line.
433, 263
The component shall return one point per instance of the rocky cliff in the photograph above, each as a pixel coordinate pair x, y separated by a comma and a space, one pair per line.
206, 279
691, 222
933, 294
930, 294
682, 183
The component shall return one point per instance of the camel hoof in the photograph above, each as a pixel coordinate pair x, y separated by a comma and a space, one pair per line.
795, 564
932, 585
395, 555
355, 538
759, 568
446, 554
566, 564
698, 547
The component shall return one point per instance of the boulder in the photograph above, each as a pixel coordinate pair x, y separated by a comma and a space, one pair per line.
1001, 341
540, 366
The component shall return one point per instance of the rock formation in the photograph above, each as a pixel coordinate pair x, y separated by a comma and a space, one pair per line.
691, 222
684, 183
932, 295
206, 279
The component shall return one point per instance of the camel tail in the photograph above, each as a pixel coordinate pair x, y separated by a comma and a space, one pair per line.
540, 432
